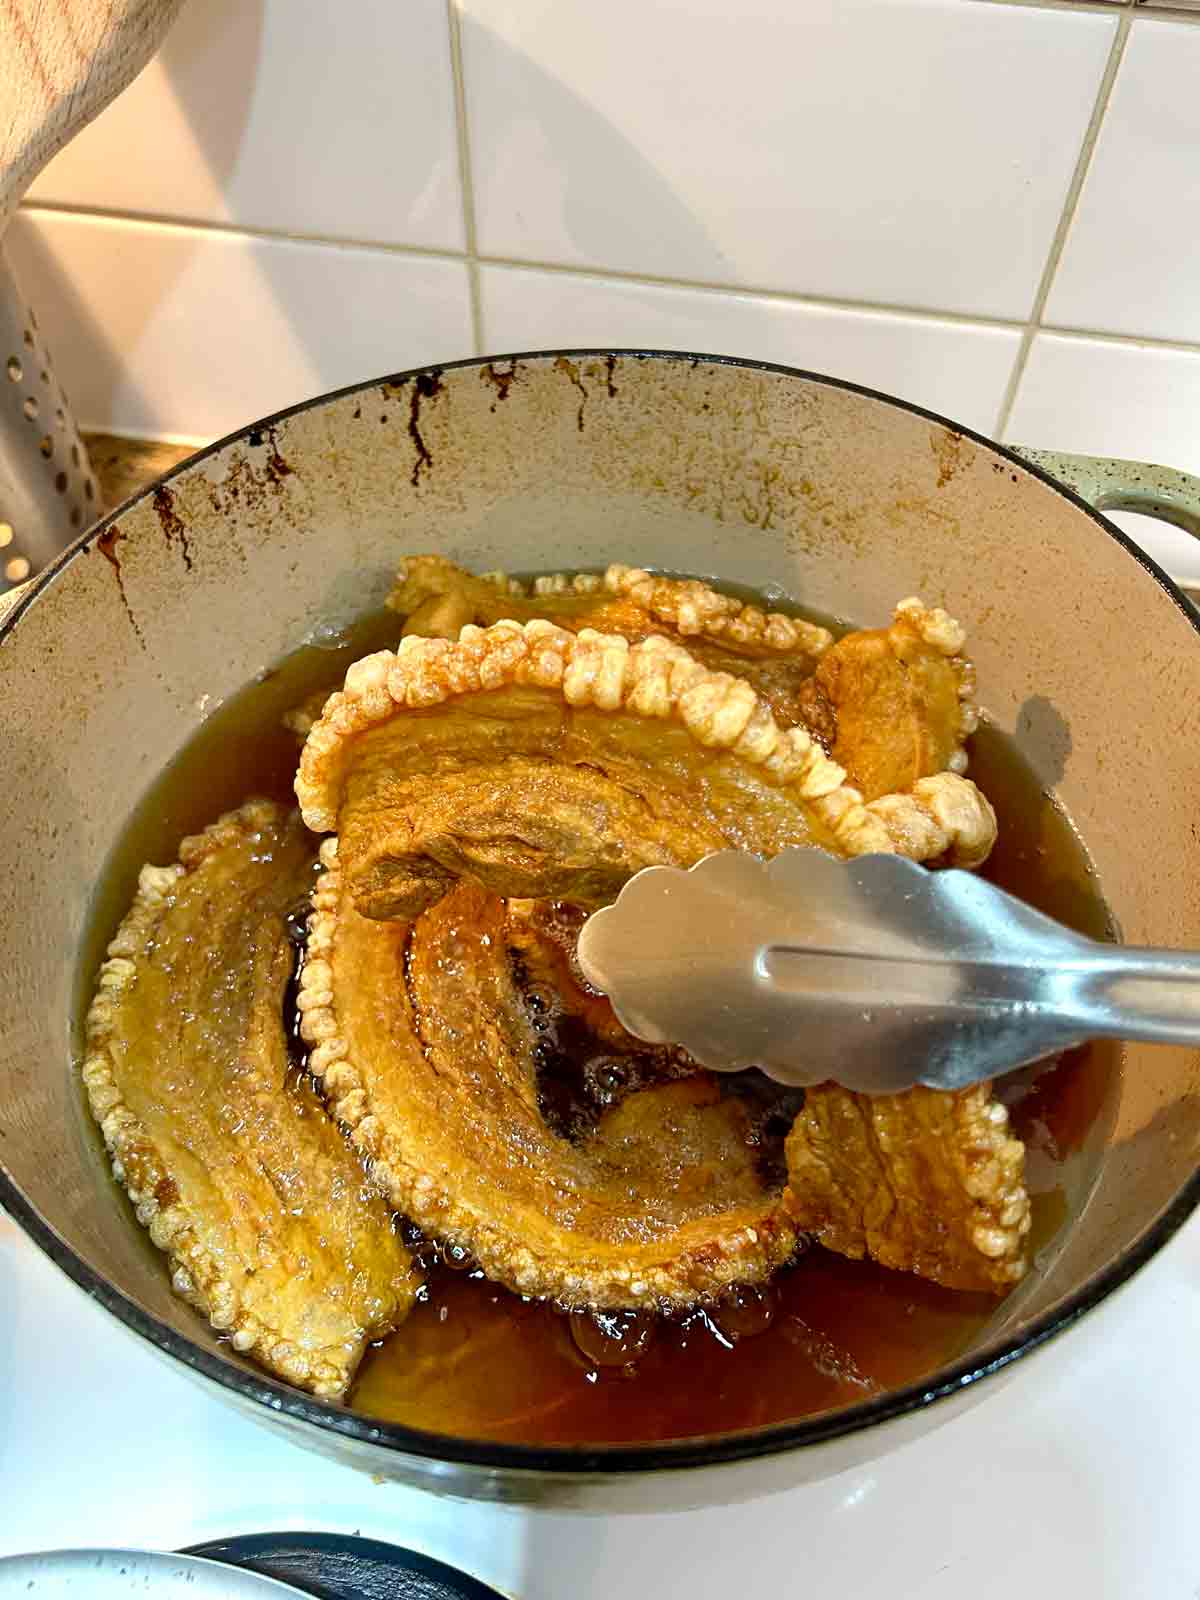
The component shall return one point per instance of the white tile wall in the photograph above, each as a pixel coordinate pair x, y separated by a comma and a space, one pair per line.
956, 368
918, 194
284, 114
1132, 259
1119, 399
1110, 398
164, 330
865, 150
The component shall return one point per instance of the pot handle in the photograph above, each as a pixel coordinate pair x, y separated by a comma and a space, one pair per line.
1110, 485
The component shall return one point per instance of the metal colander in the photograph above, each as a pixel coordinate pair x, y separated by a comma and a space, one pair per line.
48, 491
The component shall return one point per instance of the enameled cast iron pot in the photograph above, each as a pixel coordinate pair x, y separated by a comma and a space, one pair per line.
844, 499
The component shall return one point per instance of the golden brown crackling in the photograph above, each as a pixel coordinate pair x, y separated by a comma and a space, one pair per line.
773, 652
902, 696
925, 1182
436, 597
266, 1214
895, 704
654, 687
426, 1055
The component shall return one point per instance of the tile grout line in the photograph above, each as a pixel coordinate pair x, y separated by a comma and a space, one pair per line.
1145, 341
237, 230
616, 275
1102, 8
430, 252
754, 291
1075, 188
465, 172
1092, 8
1164, 14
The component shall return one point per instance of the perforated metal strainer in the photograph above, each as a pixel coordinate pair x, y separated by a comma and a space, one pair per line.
48, 491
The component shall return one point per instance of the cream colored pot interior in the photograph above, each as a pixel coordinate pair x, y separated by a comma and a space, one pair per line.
842, 500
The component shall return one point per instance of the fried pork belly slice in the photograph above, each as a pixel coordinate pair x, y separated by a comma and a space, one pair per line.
894, 704
773, 652
431, 1041
550, 765
266, 1213
925, 1181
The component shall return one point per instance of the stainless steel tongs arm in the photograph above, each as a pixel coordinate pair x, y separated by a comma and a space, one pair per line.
1106, 991
1131, 993
872, 973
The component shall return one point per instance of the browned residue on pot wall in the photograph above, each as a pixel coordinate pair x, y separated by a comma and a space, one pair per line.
276, 465
501, 381
172, 523
426, 386
947, 450
107, 546
572, 372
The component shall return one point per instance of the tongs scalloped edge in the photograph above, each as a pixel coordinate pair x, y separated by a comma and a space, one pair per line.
875, 973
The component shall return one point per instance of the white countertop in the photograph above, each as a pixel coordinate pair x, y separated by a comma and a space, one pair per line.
1075, 1478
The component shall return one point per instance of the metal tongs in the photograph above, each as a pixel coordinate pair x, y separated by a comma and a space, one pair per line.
874, 973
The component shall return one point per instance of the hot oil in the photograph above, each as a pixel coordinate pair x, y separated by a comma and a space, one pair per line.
241, 749
474, 1360
1060, 1108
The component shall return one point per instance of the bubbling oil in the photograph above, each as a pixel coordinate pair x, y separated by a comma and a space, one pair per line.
475, 1361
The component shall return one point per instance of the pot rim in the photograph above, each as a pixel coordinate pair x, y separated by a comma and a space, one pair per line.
568, 1461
